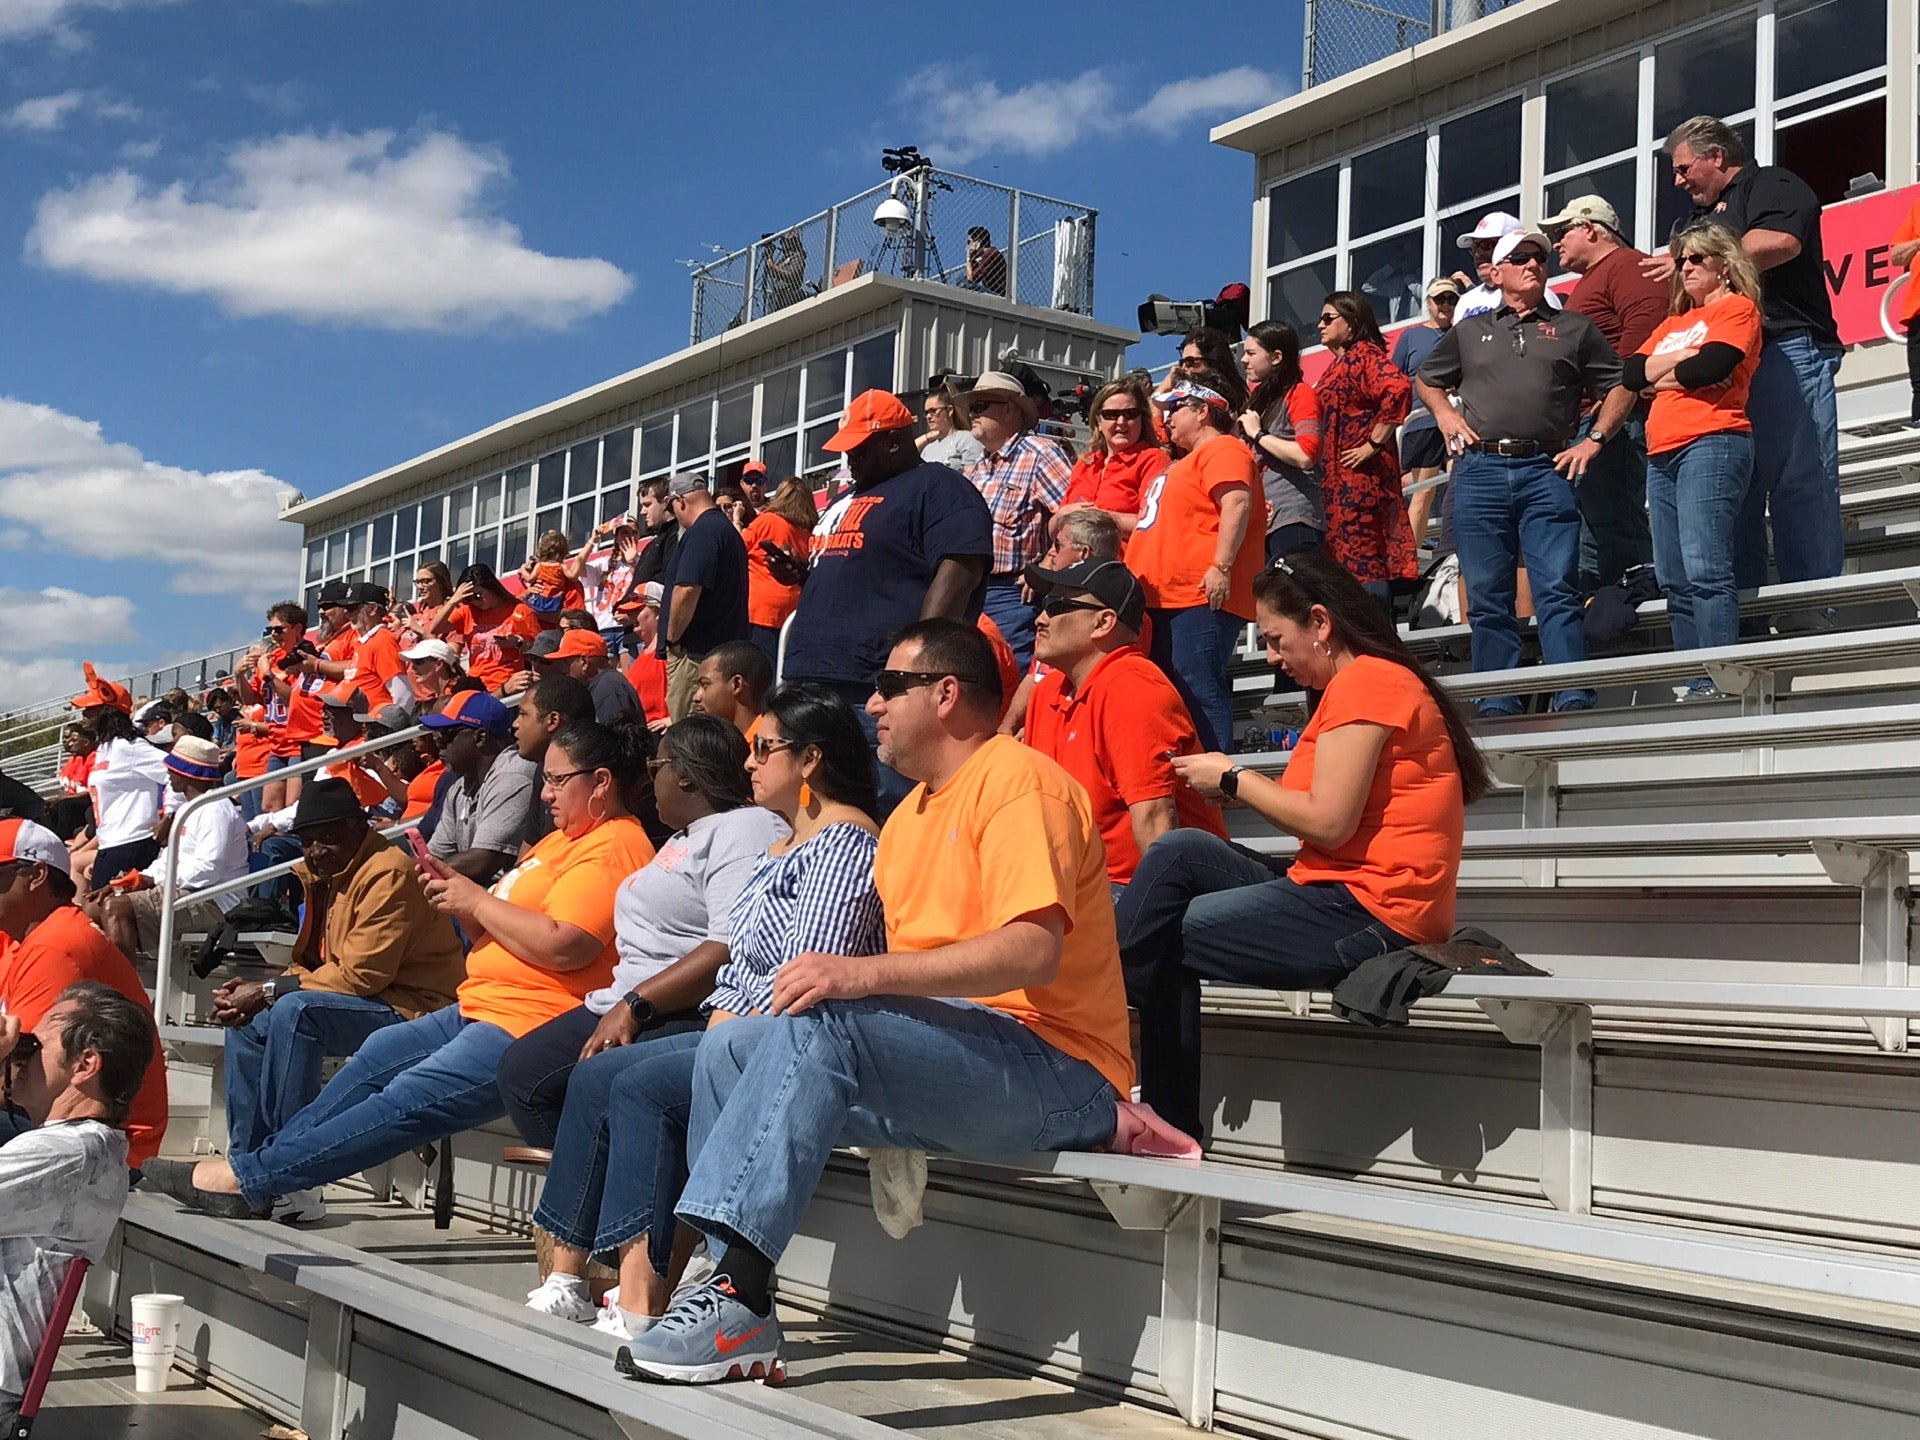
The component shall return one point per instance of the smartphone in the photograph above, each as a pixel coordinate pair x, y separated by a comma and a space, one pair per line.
423, 855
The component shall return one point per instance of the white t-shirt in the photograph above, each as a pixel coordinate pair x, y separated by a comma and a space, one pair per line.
62, 1188
129, 782
1484, 297
213, 850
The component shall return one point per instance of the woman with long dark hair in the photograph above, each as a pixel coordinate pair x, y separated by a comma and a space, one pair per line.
1375, 792
493, 626
127, 782
1363, 399
1281, 425
779, 537
621, 1157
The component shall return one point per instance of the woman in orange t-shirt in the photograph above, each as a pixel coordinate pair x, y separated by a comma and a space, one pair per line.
494, 627
1375, 791
1197, 546
1699, 364
1124, 457
787, 526
544, 940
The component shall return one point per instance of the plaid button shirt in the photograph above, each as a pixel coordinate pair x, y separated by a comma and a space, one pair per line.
1023, 484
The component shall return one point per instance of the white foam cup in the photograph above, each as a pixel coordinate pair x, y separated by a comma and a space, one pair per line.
156, 1331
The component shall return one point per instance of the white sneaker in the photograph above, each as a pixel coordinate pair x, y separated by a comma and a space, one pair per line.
564, 1297
614, 1321
302, 1207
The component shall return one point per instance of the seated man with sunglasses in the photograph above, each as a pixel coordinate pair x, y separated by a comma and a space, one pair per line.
1108, 714
1519, 373
993, 879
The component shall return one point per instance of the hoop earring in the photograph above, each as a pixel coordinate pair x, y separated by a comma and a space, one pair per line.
806, 796
595, 815
1322, 649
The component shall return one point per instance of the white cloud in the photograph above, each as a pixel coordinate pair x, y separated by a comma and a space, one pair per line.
83, 495
338, 227
22, 19
139, 149
37, 621
972, 117
23, 682
45, 113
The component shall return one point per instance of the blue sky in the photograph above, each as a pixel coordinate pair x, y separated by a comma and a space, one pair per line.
252, 244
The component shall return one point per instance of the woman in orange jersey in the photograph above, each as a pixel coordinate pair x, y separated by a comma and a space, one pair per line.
544, 941
777, 539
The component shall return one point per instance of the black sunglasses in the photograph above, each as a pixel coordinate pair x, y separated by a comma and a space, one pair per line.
892, 684
1061, 605
1528, 256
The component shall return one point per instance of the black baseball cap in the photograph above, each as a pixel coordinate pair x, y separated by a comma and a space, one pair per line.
366, 593
1108, 581
333, 593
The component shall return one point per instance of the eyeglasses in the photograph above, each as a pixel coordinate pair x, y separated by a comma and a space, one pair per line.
892, 684
555, 781
1528, 256
765, 749
1060, 605
1328, 319
1118, 415
1448, 301
1692, 260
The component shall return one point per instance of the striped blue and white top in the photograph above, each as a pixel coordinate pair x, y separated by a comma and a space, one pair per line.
817, 896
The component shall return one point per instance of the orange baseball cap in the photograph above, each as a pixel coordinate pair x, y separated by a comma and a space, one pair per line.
754, 467
580, 642
103, 693
872, 413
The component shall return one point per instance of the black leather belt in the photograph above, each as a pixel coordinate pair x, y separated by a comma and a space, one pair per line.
1512, 449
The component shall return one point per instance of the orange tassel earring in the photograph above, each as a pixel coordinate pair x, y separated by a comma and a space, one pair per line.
806, 796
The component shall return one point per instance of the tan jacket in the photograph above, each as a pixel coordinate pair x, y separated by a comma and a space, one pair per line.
377, 935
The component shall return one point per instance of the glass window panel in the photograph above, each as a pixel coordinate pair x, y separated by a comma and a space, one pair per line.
583, 471
1295, 296
1709, 72
406, 528
313, 604
1671, 207
872, 365
489, 502
486, 551
336, 553
1613, 183
616, 456
1480, 152
696, 432
514, 543
462, 520
356, 547
316, 559
1389, 186
827, 385
546, 520
519, 490
1594, 113
580, 520
735, 422
551, 486
656, 445
614, 502
459, 556
817, 457
1816, 42
779, 456
1829, 151
780, 400
1303, 216
383, 537
1449, 228
1388, 273
431, 513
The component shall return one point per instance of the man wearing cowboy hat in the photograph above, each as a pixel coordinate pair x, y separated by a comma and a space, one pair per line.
213, 850
1023, 478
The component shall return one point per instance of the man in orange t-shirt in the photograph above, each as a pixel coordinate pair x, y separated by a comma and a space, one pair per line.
54, 945
1108, 714
995, 887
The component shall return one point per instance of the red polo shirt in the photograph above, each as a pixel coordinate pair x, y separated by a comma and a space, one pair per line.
1113, 735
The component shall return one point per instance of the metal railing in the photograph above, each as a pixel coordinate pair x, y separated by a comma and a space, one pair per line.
1344, 35
1048, 262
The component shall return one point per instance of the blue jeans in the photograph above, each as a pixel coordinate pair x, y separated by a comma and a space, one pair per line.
772, 1096
1694, 494
276, 850
273, 1061
1506, 509
538, 1070
1003, 605
1200, 908
620, 1160
1612, 497
1796, 466
1194, 647
409, 1085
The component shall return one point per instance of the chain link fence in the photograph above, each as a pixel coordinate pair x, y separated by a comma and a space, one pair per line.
927, 225
1344, 35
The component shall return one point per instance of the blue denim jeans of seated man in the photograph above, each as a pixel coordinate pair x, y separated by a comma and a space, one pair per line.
273, 1061
772, 1096
620, 1160
1612, 497
1508, 509
1200, 907
536, 1075
409, 1085
1795, 492
1694, 494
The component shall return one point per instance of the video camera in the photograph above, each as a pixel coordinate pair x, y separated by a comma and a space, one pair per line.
1227, 312
903, 160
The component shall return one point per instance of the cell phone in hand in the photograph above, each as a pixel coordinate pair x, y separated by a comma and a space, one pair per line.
423, 855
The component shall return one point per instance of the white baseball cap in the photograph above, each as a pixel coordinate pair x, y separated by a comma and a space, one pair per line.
432, 650
24, 840
1510, 243
1492, 226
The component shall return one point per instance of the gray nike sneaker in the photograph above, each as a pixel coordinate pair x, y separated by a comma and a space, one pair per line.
706, 1336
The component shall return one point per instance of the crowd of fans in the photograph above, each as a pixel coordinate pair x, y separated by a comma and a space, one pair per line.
689, 929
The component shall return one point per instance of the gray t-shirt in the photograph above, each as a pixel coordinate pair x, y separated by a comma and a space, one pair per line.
504, 813
958, 450
681, 898
1293, 494
62, 1188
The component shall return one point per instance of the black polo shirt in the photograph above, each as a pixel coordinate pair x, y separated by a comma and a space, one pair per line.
1523, 377
1794, 295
